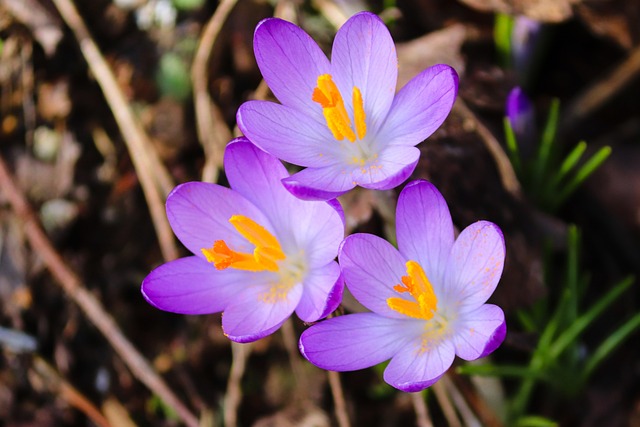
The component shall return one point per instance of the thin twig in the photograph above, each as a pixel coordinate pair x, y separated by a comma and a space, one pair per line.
445, 404
470, 419
338, 398
154, 178
212, 131
239, 353
331, 12
505, 169
487, 416
291, 344
95, 312
601, 92
421, 410
56, 383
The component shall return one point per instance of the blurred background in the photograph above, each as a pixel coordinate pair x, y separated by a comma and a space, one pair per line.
106, 105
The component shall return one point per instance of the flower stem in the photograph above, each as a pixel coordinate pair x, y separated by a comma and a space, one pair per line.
338, 399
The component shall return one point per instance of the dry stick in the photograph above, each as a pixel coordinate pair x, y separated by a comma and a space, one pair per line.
338, 398
331, 12
154, 178
54, 382
446, 405
422, 412
291, 344
505, 169
239, 353
466, 413
603, 91
92, 308
212, 131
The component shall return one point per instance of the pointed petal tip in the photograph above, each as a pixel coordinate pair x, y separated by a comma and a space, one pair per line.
304, 192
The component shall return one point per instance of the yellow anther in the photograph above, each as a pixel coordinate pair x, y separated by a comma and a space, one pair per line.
265, 256
418, 285
326, 94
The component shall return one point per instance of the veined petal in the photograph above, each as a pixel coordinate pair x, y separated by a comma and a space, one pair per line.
322, 293
290, 62
480, 332
394, 166
193, 286
364, 56
424, 229
415, 368
199, 215
254, 314
320, 183
421, 106
475, 265
315, 228
372, 267
354, 341
289, 134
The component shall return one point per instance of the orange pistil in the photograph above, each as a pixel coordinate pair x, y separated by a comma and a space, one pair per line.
326, 94
417, 284
265, 256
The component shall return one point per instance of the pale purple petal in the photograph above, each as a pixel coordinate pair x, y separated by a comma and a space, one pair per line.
290, 62
289, 134
354, 341
364, 56
416, 366
372, 267
424, 229
251, 315
322, 293
394, 166
475, 265
479, 332
320, 183
313, 227
193, 286
199, 215
421, 106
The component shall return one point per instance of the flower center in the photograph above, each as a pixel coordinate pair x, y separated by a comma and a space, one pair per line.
265, 256
293, 271
417, 284
326, 94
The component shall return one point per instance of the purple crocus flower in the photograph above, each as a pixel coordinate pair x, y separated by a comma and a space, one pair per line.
259, 252
341, 119
521, 115
427, 297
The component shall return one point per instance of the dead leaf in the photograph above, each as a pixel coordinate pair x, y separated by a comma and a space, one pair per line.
46, 28
540, 10
438, 47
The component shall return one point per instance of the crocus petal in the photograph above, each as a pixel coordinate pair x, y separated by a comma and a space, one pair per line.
394, 166
289, 134
475, 265
199, 215
248, 317
364, 56
192, 286
290, 62
314, 227
424, 228
354, 341
415, 367
421, 106
372, 267
480, 332
322, 293
319, 183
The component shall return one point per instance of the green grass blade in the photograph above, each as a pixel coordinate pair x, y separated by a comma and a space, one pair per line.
581, 323
569, 163
510, 371
502, 29
573, 244
546, 144
512, 147
584, 172
535, 421
610, 344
